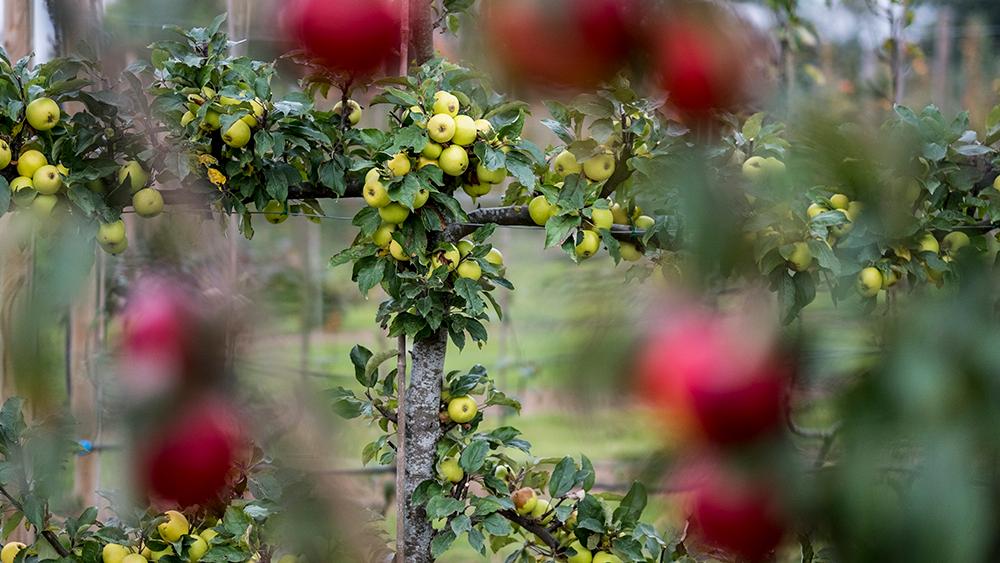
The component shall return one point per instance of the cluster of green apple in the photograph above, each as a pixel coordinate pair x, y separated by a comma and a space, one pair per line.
602, 215
212, 107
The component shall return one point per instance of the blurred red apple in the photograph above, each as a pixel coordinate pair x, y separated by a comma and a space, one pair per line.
352, 37
158, 327
707, 376
736, 514
562, 44
188, 459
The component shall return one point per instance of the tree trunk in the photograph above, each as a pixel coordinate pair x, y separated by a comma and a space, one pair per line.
423, 430
421, 28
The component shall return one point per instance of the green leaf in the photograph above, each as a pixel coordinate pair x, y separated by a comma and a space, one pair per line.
752, 126
497, 525
558, 229
443, 505
352, 254
369, 273
563, 477
474, 455
469, 290
442, 542
359, 358
630, 508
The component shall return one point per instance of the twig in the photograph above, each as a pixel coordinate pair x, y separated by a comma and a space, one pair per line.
47, 534
532, 526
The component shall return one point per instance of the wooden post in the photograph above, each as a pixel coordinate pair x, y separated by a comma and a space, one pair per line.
82, 343
18, 28
942, 56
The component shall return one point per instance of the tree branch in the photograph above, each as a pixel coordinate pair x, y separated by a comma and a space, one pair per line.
516, 215
47, 534
532, 526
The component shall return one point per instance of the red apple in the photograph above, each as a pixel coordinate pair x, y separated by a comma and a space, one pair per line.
188, 459
736, 514
573, 44
353, 37
706, 376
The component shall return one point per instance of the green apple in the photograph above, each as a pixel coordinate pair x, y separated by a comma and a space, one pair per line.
605, 557
10, 551
928, 243
134, 173
431, 150
954, 241
602, 218
5, 154
524, 500
844, 228
494, 256
800, 258
424, 161
275, 212
816, 209
540, 210
600, 167
620, 214
454, 160
629, 252
394, 213
19, 183
441, 128
111, 233
47, 180
840, 201
420, 200
238, 135
869, 282
462, 409
644, 222
208, 534
581, 555
477, 190
590, 243
258, 113
996, 183
383, 235
451, 470
492, 176
484, 127
470, 269
174, 527
399, 165
115, 249
446, 103
42, 114
30, 161
148, 202
465, 131
541, 507
754, 168
465, 246
197, 550
890, 279
565, 164
774, 167
354, 117
114, 553
375, 194
502, 472
63, 171
448, 257
134, 558
397, 252
212, 121
854, 210
187, 118
43, 204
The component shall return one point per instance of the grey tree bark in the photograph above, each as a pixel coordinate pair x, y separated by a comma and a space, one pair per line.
421, 435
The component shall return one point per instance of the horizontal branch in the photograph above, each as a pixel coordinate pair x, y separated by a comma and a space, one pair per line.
533, 526
517, 216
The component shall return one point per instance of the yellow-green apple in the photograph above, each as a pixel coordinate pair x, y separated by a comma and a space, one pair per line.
854, 210
275, 212
383, 235
840, 201
446, 103
954, 241
602, 218
47, 180
540, 210
375, 193
10, 551
420, 199
114, 553
477, 190
492, 176
754, 168
43, 204
565, 163
148, 202
5, 154
774, 167
174, 527
393, 213
620, 214
454, 161
869, 282
605, 557
30, 161
484, 127
581, 554
541, 507
599, 167
42, 114
399, 165
355, 111
134, 173
197, 550
431, 150
451, 470
470, 269
462, 409
212, 121
816, 209
115, 249
494, 257
644, 222
238, 135
465, 131
111, 233
524, 500
424, 161
928, 243
19, 183
448, 257
590, 243
397, 252
629, 252
800, 258
465, 246
134, 558
441, 128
